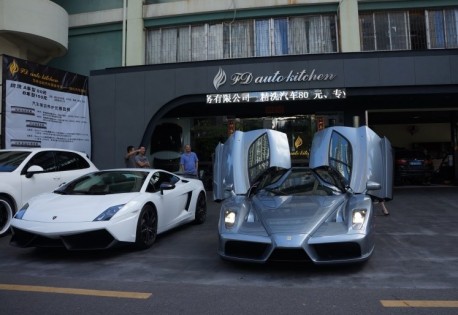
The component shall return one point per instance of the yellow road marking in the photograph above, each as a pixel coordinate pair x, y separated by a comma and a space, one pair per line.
418, 303
43, 289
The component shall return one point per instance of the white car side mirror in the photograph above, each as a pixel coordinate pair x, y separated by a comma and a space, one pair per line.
33, 170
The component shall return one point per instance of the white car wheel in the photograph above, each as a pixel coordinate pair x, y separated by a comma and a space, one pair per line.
6, 214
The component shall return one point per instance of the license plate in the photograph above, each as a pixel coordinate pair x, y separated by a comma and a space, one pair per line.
415, 163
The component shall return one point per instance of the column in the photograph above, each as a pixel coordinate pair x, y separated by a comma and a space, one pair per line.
349, 26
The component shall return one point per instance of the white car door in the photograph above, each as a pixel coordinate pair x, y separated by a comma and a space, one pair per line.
40, 182
172, 204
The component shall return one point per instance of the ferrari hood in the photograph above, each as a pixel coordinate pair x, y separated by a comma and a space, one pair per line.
72, 208
295, 214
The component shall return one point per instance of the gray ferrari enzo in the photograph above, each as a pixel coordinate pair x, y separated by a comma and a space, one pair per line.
323, 213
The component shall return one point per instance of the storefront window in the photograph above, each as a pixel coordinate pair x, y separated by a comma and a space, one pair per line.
300, 131
206, 133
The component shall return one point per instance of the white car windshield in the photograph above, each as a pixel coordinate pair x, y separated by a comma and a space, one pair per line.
105, 182
10, 160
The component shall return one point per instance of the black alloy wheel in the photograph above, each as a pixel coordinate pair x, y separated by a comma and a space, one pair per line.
146, 228
201, 209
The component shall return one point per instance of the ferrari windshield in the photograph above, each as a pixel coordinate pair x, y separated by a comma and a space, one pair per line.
105, 182
10, 160
306, 181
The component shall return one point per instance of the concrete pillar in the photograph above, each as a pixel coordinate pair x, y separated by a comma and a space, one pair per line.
135, 34
349, 26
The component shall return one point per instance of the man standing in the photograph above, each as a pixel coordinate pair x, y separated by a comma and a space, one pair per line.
129, 158
141, 160
189, 163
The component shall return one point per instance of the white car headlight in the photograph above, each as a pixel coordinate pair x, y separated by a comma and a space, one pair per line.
229, 218
109, 213
21, 212
358, 218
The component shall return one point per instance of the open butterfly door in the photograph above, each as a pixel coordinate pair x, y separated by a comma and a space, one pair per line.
240, 161
359, 154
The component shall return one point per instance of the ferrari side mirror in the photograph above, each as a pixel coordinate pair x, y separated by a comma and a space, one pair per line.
373, 186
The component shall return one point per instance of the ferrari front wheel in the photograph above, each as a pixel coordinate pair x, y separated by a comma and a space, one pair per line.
6, 214
201, 209
146, 227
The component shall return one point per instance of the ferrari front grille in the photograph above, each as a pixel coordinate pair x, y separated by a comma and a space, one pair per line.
287, 254
249, 250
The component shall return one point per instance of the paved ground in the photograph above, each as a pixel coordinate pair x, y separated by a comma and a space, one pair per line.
415, 259
415, 247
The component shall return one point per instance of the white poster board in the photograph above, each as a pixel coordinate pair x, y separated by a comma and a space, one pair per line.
44, 107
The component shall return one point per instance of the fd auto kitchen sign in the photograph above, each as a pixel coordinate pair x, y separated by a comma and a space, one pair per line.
44, 107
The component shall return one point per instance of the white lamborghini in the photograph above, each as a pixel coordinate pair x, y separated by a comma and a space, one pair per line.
111, 207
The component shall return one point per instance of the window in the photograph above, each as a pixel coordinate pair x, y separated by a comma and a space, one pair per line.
262, 38
341, 155
258, 157
198, 42
243, 39
384, 31
43, 159
271, 36
442, 28
215, 44
69, 161
238, 39
159, 178
10, 160
409, 30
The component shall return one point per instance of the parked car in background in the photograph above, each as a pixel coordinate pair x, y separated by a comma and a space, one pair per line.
25, 173
111, 207
322, 214
412, 167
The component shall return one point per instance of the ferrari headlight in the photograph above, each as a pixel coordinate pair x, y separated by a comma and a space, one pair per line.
358, 218
21, 212
229, 218
109, 213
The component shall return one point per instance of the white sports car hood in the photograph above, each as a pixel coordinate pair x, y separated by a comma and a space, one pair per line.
72, 208
295, 214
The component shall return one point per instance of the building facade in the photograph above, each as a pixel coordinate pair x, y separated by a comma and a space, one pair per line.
166, 73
